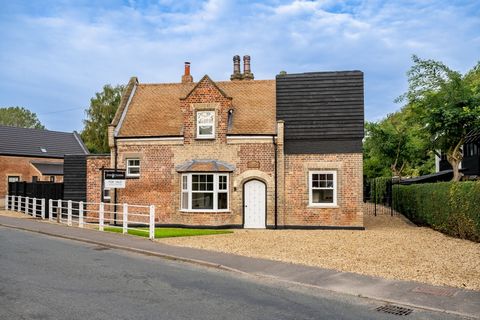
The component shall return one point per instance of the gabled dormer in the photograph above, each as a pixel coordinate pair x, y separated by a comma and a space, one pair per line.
205, 112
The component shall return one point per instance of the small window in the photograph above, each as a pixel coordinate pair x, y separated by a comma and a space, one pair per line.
52, 178
34, 179
205, 124
13, 178
204, 192
106, 191
133, 167
106, 194
323, 188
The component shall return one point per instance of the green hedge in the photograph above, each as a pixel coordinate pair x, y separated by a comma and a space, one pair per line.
450, 207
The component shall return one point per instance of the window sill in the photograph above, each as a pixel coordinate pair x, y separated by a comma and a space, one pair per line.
323, 206
205, 138
205, 211
132, 177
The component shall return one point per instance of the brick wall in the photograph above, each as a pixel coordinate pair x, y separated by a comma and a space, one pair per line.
94, 176
21, 166
348, 211
159, 183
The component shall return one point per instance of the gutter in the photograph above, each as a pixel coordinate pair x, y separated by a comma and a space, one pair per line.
115, 189
276, 179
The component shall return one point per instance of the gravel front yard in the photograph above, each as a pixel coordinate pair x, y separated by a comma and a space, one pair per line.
391, 247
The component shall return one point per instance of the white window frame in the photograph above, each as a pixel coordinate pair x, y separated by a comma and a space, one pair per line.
13, 176
205, 136
310, 189
128, 166
215, 191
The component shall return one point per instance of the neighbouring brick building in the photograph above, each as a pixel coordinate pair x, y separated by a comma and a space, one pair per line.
283, 153
34, 155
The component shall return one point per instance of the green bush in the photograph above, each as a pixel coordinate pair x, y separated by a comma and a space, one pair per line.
450, 207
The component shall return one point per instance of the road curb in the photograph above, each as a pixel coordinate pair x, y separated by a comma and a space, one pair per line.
380, 299
136, 250
230, 269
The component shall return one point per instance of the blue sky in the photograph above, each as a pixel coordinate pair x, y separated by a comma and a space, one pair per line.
54, 55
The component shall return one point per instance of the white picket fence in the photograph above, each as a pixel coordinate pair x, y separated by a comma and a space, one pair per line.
78, 213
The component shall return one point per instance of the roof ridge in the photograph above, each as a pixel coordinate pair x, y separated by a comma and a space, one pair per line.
194, 83
36, 129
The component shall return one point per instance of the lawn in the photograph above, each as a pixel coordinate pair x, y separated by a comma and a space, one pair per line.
169, 232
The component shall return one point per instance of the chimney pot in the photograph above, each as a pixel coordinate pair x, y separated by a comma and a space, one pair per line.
236, 69
187, 78
247, 72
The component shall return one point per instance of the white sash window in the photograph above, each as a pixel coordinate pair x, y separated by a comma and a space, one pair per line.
204, 192
205, 124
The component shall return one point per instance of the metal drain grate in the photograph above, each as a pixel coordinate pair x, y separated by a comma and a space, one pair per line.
396, 310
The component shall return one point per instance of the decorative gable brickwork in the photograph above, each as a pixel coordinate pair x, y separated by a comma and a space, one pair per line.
205, 96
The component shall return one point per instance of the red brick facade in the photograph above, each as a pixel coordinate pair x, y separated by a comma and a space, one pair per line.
253, 157
22, 167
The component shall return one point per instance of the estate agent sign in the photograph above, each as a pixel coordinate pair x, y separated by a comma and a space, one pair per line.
114, 179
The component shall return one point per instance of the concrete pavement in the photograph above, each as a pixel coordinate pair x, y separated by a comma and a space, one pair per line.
446, 299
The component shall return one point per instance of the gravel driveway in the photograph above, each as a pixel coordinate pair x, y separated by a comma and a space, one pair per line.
391, 247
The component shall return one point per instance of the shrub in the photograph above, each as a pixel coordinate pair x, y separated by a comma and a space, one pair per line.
450, 207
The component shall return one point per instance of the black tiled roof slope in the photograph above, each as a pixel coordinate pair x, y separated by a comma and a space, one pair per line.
323, 111
30, 142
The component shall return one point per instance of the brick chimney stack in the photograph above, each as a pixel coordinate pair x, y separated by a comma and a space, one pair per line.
247, 72
236, 69
187, 78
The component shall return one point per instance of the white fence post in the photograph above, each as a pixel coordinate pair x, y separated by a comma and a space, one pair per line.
152, 222
6, 202
80, 214
125, 218
50, 209
34, 207
59, 210
18, 203
27, 200
101, 216
42, 203
69, 211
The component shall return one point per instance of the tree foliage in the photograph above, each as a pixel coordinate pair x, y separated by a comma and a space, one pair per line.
396, 146
99, 115
19, 117
446, 104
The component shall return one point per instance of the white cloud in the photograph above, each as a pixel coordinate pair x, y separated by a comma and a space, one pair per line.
59, 59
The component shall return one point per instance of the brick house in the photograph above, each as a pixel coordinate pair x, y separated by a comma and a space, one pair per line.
34, 155
283, 153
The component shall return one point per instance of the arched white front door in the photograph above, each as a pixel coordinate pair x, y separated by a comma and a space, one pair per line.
254, 207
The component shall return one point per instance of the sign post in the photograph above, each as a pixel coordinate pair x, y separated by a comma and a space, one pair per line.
113, 179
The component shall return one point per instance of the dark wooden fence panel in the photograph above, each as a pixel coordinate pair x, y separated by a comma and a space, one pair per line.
75, 177
45, 190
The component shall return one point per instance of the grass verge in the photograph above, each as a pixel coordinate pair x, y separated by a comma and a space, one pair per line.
169, 232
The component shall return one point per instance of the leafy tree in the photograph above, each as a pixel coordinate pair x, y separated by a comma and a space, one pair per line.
446, 104
19, 117
99, 115
395, 146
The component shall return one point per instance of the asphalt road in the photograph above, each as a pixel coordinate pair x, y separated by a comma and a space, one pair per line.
43, 277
